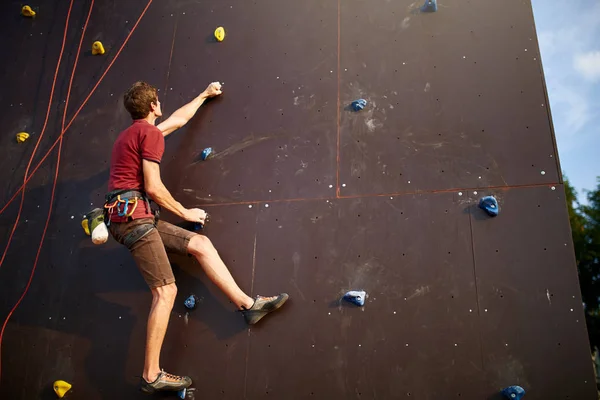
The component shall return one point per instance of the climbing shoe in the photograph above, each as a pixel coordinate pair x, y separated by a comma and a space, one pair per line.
165, 382
262, 306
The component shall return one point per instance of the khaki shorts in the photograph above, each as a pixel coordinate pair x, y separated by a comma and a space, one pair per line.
150, 252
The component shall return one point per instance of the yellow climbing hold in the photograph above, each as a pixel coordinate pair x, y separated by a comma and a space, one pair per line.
220, 33
26, 11
22, 136
61, 387
97, 48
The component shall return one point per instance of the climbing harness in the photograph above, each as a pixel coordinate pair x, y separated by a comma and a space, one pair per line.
137, 233
123, 202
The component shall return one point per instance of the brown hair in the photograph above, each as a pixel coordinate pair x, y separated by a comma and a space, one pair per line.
138, 98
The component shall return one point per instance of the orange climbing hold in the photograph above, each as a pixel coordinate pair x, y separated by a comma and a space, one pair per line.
26, 11
61, 387
97, 48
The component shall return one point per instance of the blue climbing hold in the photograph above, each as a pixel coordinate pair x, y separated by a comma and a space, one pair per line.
206, 153
490, 205
359, 104
356, 296
181, 393
513, 392
191, 302
198, 226
429, 6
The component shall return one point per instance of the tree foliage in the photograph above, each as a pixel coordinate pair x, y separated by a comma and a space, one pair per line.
585, 227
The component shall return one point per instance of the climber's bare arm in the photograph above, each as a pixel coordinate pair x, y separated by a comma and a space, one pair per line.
182, 115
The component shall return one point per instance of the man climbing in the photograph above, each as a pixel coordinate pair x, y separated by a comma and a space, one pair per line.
134, 182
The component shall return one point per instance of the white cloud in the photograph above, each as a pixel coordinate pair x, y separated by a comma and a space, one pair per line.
571, 60
547, 42
553, 43
571, 110
588, 65
567, 34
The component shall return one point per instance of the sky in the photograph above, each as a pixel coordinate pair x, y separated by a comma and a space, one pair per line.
568, 33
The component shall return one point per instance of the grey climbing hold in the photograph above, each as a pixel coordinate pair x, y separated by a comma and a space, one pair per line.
356, 297
513, 392
490, 205
207, 153
359, 104
191, 302
429, 6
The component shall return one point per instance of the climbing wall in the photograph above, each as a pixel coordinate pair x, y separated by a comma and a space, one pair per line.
305, 195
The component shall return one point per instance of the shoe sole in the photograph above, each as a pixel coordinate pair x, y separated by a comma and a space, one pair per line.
148, 389
153, 391
257, 315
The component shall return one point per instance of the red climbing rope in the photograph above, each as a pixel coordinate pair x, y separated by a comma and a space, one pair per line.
77, 112
73, 74
59, 141
62, 48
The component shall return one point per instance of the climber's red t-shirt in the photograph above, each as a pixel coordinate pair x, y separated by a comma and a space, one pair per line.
141, 141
